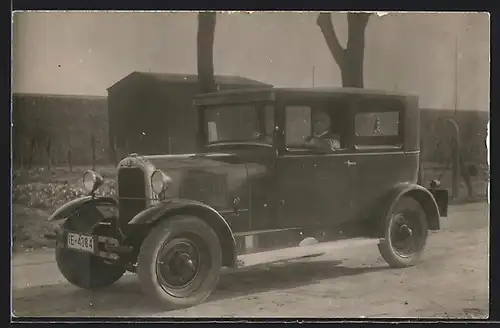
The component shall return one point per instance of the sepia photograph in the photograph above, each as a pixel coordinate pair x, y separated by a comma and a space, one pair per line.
250, 164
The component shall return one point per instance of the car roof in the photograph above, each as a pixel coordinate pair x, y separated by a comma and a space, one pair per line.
270, 94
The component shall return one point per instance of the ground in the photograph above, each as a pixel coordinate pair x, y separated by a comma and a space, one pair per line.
351, 280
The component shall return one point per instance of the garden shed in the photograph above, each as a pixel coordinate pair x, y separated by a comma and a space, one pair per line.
153, 113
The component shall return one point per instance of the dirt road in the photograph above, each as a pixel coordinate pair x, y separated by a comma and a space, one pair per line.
452, 281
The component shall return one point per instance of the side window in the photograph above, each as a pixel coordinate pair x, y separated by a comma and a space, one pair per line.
298, 125
378, 124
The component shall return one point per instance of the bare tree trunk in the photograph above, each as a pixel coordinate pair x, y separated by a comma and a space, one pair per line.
464, 172
205, 43
21, 154
351, 59
114, 152
70, 159
33, 145
49, 154
15, 155
455, 169
92, 145
352, 72
468, 134
205, 58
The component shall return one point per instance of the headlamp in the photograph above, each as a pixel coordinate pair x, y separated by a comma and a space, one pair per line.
92, 180
159, 181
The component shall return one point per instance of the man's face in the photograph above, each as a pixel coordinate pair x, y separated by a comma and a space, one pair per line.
321, 122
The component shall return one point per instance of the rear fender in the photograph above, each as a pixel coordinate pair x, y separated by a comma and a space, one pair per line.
73, 206
420, 194
441, 198
171, 207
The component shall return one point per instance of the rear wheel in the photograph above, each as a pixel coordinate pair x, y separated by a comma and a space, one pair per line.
406, 233
84, 270
179, 262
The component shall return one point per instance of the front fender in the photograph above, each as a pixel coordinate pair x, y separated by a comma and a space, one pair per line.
173, 207
155, 212
420, 194
72, 206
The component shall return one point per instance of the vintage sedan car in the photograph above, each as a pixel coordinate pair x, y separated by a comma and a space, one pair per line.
276, 167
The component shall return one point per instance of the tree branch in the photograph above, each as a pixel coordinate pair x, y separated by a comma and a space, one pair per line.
324, 21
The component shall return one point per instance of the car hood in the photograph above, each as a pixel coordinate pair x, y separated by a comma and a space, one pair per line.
215, 179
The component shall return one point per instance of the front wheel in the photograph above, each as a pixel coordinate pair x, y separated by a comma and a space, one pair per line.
179, 262
406, 233
84, 270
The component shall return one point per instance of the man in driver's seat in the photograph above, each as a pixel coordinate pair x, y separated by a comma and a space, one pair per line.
322, 136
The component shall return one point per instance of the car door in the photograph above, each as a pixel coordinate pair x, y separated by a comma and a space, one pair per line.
311, 188
378, 145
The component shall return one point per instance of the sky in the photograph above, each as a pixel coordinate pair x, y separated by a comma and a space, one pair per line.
86, 52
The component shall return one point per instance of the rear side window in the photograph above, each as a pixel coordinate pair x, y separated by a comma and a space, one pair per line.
378, 124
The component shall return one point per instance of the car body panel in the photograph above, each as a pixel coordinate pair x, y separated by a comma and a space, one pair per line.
375, 174
219, 180
313, 189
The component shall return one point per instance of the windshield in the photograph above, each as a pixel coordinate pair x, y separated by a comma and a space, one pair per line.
240, 123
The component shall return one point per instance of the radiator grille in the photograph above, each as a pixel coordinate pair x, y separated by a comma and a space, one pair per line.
131, 192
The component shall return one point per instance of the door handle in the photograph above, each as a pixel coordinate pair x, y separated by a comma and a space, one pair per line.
350, 163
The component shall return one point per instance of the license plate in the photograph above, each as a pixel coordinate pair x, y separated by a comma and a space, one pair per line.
84, 243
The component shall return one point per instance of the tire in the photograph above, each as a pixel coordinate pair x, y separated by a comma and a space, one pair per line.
83, 270
157, 271
407, 211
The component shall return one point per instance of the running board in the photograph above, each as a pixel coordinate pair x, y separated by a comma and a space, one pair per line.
259, 241
260, 232
298, 252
